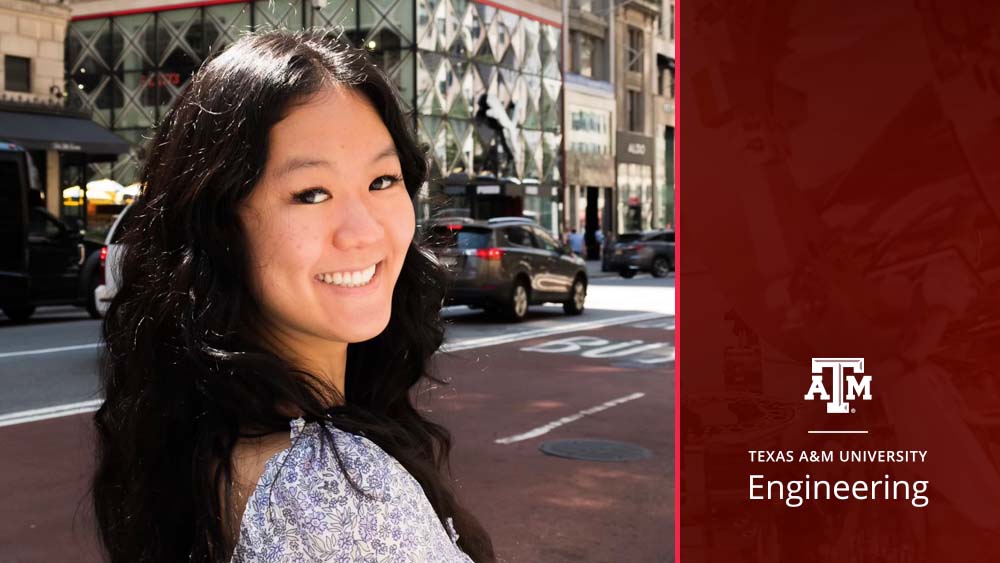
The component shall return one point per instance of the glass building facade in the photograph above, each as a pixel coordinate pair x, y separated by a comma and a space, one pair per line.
445, 56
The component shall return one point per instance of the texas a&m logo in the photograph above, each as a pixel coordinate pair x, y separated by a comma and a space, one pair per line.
845, 387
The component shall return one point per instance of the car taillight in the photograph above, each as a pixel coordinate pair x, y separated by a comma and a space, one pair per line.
104, 260
489, 253
635, 247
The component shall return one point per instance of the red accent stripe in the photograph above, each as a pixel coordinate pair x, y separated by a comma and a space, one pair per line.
185, 5
677, 281
152, 9
521, 13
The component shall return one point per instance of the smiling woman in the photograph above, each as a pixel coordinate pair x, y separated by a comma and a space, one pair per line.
324, 233
273, 315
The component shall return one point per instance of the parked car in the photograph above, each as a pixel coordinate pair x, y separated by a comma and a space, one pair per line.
610, 261
111, 254
43, 261
650, 251
504, 264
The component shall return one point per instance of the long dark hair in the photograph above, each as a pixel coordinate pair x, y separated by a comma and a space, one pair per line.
183, 377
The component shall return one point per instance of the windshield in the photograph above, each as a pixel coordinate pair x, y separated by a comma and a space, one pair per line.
458, 236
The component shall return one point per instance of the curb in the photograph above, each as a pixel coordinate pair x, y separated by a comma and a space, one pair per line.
598, 275
594, 271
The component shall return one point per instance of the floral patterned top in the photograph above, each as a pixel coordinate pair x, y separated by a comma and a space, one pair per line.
303, 509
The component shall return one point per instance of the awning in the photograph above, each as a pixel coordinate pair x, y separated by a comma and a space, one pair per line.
61, 133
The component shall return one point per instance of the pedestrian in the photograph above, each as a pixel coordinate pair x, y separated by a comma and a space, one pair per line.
576, 242
273, 315
599, 234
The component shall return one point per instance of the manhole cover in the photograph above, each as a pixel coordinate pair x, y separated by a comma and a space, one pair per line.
595, 450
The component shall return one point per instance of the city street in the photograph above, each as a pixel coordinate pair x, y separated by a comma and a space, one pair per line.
606, 375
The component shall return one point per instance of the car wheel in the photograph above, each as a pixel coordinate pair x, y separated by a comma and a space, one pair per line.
661, 267
516, 307
577, 297
92, 298
19, 313
627, 273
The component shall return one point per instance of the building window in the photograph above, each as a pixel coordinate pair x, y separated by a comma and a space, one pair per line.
660, 71
633, 54
586, 55
671, 22
590, 131
665, 75
17, 73
633, 108
673, 80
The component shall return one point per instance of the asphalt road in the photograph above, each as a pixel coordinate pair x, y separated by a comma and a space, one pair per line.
607, 374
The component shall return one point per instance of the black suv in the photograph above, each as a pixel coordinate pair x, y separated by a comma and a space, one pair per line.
504, 264
651, 251
43, 261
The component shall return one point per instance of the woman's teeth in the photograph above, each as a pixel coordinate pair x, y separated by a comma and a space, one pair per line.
348, 279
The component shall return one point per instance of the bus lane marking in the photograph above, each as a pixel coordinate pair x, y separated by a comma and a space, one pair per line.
595, 347
536, 432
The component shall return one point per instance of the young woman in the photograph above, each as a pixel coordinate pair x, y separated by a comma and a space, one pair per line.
273, 315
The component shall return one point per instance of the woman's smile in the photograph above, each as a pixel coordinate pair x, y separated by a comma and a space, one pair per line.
357, 283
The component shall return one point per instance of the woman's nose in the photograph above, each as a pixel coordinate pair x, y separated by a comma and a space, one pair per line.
357, 225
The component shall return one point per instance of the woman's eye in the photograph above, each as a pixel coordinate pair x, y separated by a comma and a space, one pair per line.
313, 195
385, 182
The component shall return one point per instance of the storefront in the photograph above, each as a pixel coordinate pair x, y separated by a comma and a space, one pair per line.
590, 160
635, 182
664, 215
62, 146
450, 59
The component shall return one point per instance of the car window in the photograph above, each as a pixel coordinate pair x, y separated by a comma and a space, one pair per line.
42, 225
519, 236
545, 241
458, 236
660, 237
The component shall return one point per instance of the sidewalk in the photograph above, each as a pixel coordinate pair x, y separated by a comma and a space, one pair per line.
594, 270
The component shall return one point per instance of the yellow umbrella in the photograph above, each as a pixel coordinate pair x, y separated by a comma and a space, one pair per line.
104, 191
128, 193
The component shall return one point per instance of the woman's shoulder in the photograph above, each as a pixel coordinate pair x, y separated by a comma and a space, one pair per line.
306, 459
292, 458
305, 501
250, 456
249, 459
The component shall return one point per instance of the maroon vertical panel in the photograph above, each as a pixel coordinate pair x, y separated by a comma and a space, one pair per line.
840, 170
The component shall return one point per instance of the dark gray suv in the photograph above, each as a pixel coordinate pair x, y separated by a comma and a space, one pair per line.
505, 264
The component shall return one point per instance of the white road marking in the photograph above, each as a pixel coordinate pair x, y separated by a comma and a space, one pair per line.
35, 415
58, 411
567, 419
447, 347
665, 324
538, 333
49, 350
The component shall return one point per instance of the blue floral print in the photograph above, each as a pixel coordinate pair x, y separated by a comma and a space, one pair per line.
303, 509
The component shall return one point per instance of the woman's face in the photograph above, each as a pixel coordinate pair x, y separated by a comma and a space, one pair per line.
329, 223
